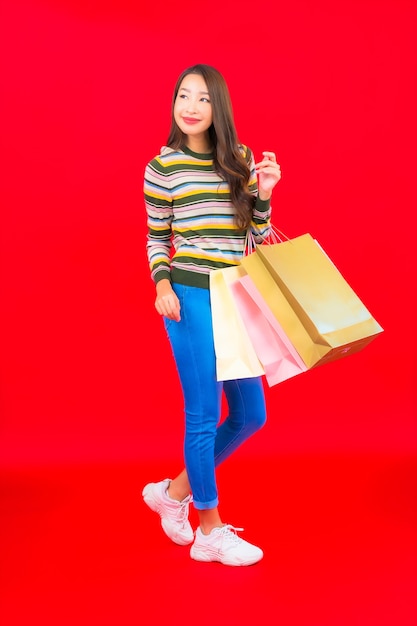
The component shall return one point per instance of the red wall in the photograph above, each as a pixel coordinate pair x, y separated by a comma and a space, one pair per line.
86, 372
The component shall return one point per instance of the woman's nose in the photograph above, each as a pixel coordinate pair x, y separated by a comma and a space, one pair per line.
191, 106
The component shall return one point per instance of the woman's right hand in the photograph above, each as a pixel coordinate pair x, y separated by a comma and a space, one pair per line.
166, 302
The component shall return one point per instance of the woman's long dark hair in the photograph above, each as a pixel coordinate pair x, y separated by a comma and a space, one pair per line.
228, 159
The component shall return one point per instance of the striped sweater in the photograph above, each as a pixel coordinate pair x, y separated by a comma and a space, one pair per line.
191, 228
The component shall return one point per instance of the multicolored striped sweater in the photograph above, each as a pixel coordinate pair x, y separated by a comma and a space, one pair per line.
191, 228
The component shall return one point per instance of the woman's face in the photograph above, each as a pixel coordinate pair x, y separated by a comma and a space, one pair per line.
192, 110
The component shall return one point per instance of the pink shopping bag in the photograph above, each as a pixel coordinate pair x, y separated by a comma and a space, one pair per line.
274, 350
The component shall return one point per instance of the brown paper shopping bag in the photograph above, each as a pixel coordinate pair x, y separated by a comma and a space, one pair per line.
235, 355
318, 310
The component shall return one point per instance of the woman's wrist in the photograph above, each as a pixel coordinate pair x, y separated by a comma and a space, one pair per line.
163, 284
264, 195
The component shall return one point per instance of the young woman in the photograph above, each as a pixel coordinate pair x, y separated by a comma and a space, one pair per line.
202, 194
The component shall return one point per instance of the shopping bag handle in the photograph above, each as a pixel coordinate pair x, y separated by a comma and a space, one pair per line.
275, 235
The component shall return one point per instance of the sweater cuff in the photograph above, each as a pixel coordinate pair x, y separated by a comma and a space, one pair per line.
161, 274
262, 205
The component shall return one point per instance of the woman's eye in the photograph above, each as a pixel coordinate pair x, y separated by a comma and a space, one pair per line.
205, 99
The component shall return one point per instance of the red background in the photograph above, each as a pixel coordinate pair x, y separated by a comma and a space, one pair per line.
86, 372
331, 87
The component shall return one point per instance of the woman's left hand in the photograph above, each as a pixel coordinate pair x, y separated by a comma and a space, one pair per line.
269, 173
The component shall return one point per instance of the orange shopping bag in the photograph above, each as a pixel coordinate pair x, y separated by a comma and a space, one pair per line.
317, 309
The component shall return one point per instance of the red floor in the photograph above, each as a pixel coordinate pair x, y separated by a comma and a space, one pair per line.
79, 547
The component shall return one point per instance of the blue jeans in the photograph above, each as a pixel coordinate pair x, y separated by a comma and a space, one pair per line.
208, 442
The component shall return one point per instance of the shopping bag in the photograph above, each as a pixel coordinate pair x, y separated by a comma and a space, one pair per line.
235, 355
275, 351
318, 310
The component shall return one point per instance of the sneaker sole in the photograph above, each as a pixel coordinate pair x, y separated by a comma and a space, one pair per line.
202, 556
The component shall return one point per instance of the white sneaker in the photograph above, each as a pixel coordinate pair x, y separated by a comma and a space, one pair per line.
224, 545
174, 514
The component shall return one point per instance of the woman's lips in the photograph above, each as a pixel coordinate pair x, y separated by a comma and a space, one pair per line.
190, 120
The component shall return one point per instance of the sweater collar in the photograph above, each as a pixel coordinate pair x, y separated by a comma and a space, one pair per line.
203, 156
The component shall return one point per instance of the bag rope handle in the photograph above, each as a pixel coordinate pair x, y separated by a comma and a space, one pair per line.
274, 236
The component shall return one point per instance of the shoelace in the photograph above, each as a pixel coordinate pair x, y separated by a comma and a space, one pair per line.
183, 510
229, 533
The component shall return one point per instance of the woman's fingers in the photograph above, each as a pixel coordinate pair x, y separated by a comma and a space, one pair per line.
168, 305
268, 164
